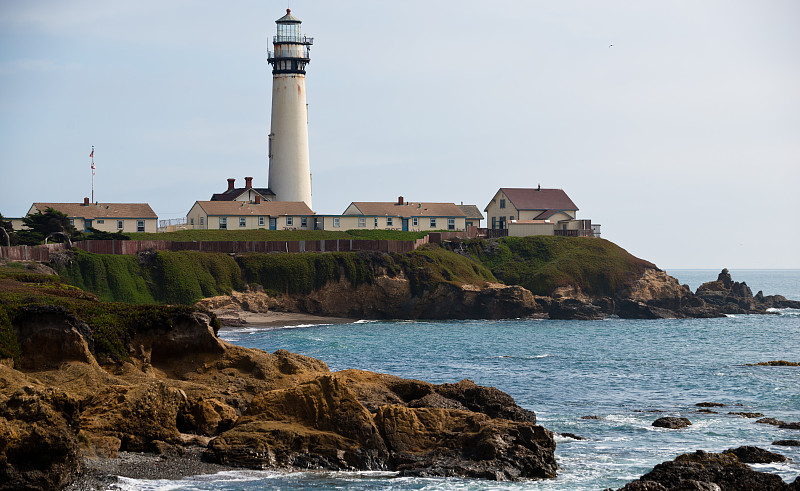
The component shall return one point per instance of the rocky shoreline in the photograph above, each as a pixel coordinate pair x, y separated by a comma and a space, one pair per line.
654, 295
185, 399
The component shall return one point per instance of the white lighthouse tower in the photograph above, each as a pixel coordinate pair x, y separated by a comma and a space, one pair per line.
289, 169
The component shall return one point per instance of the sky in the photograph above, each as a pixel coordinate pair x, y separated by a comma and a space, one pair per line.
675, 125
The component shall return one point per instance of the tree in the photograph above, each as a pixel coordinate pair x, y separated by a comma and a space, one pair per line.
7, 235
52, 224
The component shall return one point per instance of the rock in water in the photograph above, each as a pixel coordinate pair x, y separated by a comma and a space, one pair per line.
703, 471
755, 455
671, 422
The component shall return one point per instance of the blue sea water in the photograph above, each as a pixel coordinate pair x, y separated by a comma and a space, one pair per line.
627, 372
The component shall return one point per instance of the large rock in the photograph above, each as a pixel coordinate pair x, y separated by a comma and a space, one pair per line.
361, 420
451, 442
671, 422
38, 448
703, 471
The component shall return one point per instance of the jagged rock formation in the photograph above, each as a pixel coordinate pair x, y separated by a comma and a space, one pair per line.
709, 471
732, 297
180, 385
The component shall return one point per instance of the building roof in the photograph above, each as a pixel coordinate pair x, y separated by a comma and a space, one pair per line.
471, 212
539, 199
289, 18
547, 214
232, 194
408, 209
265, 208
99, 210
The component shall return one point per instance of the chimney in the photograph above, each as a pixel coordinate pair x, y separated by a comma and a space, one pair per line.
248, 182
230, 183
85, 201
399, 200
258, 199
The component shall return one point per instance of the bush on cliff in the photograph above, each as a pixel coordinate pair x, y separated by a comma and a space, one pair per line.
543, 263
158, 277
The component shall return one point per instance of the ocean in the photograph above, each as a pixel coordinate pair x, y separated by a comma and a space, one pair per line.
626, 372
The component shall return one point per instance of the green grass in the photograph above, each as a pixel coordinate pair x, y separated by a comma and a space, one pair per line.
542, 263
161, 277
265, 235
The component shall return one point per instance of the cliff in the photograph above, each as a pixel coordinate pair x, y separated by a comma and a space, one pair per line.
555, 277
162, 381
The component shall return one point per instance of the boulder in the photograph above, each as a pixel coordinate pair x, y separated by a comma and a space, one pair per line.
134, 415
787, 443
703, 471
449, 442
361, 420
671, 422
755, 455
38, 448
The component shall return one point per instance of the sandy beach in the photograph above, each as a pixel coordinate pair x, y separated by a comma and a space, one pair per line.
232, 318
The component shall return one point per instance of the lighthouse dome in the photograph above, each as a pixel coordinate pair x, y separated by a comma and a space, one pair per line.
288, 18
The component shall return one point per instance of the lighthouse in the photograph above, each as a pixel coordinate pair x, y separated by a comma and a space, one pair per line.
289, 168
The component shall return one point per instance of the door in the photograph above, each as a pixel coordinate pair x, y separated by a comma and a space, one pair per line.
405, 224
273, 223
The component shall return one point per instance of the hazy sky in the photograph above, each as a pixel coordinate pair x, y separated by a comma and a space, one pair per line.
682, 139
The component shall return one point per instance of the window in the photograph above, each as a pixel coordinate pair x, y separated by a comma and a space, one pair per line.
415, 221
260, 221
494, 223
303, 221
242, 222
120, 224
335, 222
191, 221
433, 223
502, 203
72, 221
223, 223
101, 221
289, 221
362, 221
451, 224
376, 222
140, 225
389, 221
202, 219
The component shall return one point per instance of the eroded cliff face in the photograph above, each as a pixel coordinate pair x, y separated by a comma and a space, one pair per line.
181, 385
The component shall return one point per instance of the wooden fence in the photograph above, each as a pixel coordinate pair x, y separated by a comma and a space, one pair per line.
42, 253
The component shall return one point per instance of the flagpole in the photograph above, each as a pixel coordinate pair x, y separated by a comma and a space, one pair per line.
92, 156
